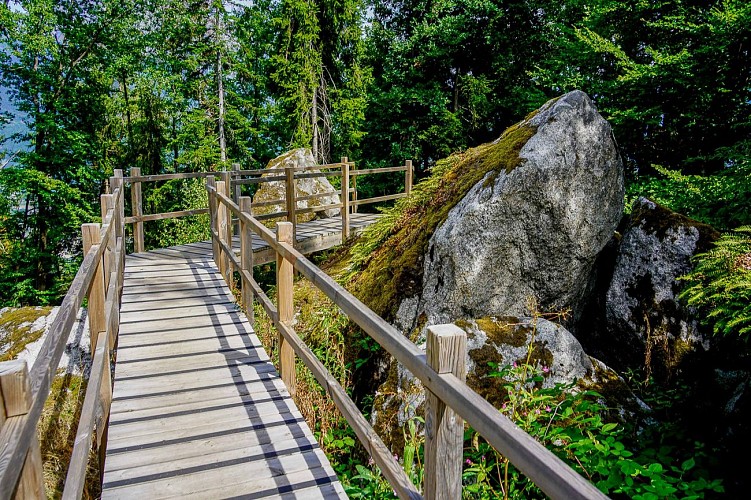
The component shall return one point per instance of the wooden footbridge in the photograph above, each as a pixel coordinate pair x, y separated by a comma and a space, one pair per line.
195, 408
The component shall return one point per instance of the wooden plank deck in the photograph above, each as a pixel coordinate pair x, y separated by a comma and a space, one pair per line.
313, 236
198, 409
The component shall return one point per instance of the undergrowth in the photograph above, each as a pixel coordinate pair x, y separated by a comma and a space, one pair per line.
57, 432
574, 424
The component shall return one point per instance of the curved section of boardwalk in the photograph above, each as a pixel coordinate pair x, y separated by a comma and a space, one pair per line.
198, 409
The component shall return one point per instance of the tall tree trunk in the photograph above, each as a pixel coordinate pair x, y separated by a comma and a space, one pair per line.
128, 120
220, 87
43, 273
314, 122
456, 91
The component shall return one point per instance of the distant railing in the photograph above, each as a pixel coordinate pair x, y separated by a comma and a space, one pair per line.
236, 178
24, 392
441, 369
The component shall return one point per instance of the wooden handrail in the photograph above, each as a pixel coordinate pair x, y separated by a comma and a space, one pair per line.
99, 266
545, 469
237, 178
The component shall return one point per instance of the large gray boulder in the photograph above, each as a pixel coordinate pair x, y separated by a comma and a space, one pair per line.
533, 231
644, 317
276, 190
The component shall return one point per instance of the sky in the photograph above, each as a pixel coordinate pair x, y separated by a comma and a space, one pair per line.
16, 125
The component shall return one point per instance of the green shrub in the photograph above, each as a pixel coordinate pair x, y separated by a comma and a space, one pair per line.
721, 200
720, 284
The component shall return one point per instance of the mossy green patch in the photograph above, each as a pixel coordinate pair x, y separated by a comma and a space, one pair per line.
539, 355
501, 330
466, 326
505, 330
15, 330
422, 320
479, 379
389, 256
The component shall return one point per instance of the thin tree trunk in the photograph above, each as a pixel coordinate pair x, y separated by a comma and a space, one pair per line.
129, 123
456, 92
314, 120
220, 86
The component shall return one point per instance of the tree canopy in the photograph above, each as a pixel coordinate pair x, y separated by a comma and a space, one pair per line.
184, 85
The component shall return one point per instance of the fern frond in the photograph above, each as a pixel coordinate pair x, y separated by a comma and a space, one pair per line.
720, 284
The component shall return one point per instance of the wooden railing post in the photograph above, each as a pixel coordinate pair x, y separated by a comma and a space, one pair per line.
211, 183
108, 203
408, 177
345, 199
228, 231
221, 229
444, 429
117, 183
97, 317
135, 197
246, 258
285, 306
291, 202
15, 401
238, 187
353, 185
237, 193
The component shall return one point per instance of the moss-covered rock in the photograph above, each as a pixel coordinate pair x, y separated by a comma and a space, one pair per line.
276, 190
19, 327
391, 253
646, 324
525, 215
23, 331
492, 343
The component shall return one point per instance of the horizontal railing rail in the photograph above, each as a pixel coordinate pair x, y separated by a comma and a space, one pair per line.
236, 178
440, 371
99, 279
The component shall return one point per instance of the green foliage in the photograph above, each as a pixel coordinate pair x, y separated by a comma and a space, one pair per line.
720, 284
173, 196
447, 75
722, 200
672, 77
38, 227
574, 425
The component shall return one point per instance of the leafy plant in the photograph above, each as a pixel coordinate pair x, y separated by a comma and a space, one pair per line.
720, 284
721, 200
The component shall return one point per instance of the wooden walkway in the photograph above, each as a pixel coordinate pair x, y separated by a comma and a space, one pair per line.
198, 409
312, 236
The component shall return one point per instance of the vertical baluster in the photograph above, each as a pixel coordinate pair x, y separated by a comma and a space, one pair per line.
285, 306
444, 429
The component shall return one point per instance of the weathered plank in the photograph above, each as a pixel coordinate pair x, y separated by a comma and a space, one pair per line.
444, 429
165, 215
198, 410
